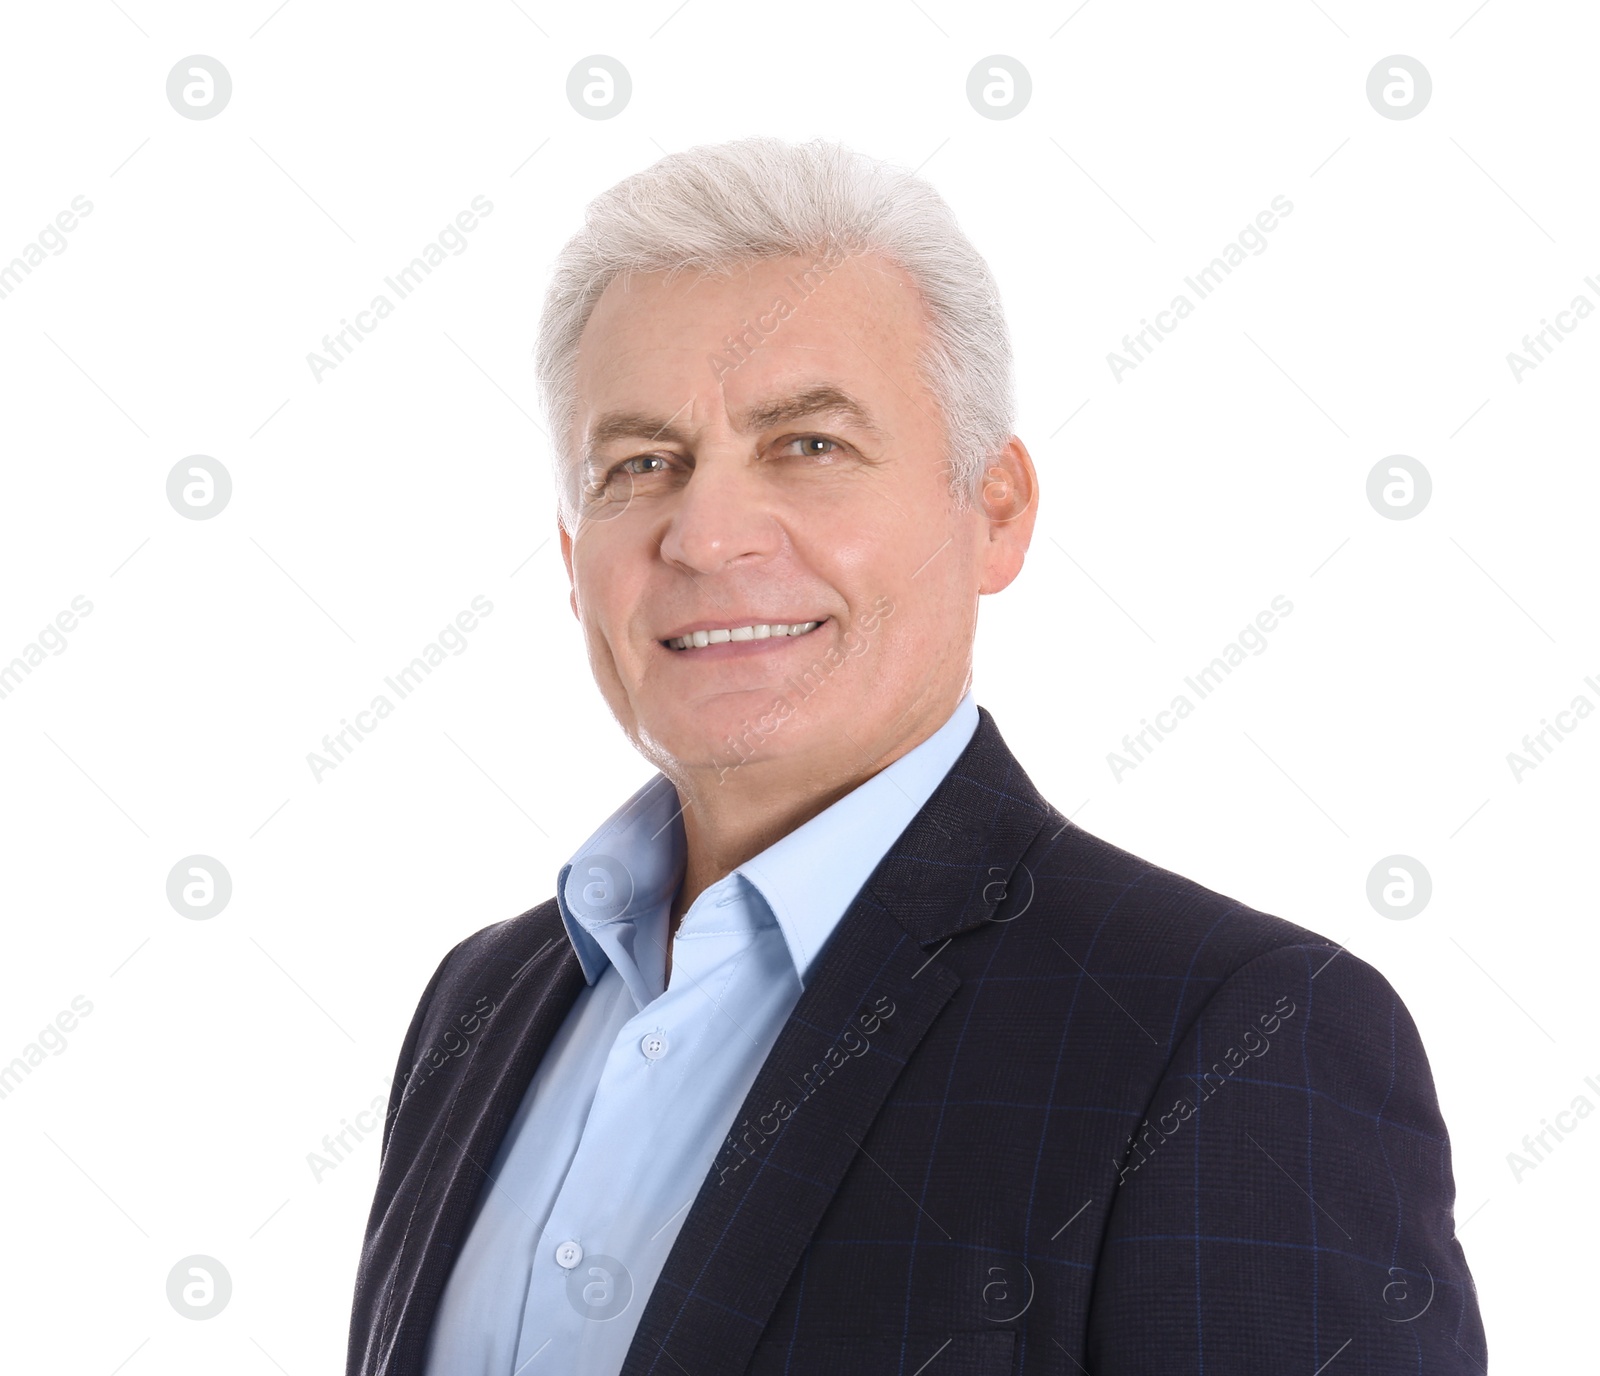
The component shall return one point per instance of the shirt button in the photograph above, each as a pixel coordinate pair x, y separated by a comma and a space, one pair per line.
568, 1254
654, 1046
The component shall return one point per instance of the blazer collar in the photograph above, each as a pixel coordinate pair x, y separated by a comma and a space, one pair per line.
956, 863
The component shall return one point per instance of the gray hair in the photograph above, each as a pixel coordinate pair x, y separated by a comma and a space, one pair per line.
718, 206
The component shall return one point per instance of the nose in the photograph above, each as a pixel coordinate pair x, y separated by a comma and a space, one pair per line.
721, 516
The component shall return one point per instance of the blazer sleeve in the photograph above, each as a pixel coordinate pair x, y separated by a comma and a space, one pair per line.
1288, 1199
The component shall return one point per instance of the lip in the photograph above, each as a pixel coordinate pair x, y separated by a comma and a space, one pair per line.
740, 649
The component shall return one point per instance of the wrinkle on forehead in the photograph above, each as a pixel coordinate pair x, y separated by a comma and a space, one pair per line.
882, 322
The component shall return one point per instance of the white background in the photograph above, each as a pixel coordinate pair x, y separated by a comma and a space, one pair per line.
371, 506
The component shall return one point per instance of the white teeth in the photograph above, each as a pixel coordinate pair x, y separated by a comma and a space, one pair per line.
697, 639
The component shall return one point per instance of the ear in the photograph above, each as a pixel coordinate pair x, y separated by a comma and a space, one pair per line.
566, 558
1009, 502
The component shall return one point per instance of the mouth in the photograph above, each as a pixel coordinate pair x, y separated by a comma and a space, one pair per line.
772, 633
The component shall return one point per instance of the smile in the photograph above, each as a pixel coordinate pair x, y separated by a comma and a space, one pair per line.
697, 640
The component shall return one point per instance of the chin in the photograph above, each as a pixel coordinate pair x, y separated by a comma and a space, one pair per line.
744, 729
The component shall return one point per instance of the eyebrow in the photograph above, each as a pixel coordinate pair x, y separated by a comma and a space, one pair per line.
821, 400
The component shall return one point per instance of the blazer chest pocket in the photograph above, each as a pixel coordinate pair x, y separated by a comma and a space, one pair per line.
986, 1353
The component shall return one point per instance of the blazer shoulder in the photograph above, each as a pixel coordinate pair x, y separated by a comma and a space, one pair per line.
1147, 919
1170, 924
488, 960
1191, 958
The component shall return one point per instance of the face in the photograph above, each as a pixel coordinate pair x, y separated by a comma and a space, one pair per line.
770, 569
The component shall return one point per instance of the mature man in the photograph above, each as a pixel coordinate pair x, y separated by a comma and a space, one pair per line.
839, 1049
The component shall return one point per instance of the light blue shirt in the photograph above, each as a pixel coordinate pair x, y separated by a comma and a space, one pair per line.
641, 1085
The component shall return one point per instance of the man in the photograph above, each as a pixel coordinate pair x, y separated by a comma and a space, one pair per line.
839, 1049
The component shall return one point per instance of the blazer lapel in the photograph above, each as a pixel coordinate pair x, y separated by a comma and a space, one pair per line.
795, 1137
546, 983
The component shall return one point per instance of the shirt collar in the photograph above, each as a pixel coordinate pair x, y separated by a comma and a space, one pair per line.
615, 892
811, 876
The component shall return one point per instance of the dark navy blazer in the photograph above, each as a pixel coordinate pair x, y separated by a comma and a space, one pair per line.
1115, 1123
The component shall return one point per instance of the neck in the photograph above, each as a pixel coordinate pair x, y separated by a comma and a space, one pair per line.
731, 816
723, 828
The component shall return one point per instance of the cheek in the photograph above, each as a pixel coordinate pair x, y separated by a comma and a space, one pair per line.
933, 617
603, 597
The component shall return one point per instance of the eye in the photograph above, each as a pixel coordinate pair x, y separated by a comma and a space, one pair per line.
624, 475
634, 466
806, 451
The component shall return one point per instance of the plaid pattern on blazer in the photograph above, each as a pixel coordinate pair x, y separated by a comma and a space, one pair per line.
1115, 1123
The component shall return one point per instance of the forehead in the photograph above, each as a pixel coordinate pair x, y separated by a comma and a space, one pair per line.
728, 340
